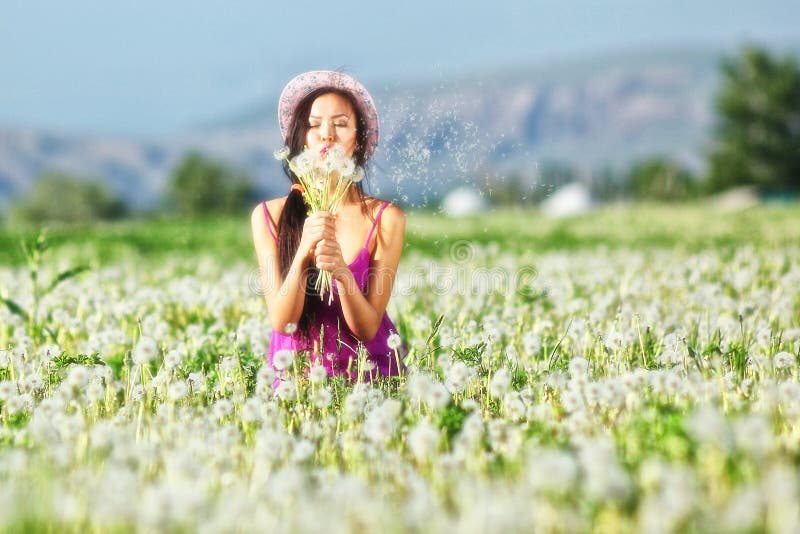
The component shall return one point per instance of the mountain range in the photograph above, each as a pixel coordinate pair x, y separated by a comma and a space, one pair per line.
590, 113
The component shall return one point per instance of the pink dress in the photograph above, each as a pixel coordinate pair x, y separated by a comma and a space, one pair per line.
340, 358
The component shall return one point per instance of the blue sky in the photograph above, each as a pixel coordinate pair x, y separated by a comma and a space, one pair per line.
150, 68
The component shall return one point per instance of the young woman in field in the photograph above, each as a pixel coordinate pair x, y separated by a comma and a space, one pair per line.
360, 245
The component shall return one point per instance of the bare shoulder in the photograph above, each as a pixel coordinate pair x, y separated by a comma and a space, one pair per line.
274, 207
393, 216
393, 220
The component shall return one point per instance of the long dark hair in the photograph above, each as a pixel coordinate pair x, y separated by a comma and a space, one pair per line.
294, 214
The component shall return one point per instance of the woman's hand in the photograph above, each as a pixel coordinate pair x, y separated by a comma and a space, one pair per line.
318, 226
328, 257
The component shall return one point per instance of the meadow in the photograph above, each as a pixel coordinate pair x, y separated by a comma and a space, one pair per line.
629, 370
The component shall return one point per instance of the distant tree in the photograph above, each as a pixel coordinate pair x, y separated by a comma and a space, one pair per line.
661, 179
510, 189
61, 197
201, 185
758, 135
607, 184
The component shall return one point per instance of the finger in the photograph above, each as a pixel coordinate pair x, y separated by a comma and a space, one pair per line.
324, 264
322, 225
322, 219
325, 253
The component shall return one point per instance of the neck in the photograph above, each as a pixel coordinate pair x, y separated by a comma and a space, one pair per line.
352, 196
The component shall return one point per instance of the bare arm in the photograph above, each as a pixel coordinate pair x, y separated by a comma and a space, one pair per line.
363, 312
285, 297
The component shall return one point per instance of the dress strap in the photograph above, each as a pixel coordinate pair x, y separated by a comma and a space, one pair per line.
375, 224
269, 221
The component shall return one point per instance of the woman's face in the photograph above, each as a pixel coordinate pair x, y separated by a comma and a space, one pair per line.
332, 121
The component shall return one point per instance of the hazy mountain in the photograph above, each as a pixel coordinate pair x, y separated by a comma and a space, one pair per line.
593, 112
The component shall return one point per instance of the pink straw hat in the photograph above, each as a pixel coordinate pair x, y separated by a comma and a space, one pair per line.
303, 84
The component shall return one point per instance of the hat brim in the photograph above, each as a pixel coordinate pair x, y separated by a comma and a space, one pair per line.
304, 84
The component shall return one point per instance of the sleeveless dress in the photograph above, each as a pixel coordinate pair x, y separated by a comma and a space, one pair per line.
339, 345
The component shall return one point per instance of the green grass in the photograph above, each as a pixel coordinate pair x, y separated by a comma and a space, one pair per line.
689, 227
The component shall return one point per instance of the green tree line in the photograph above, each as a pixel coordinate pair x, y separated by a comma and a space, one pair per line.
756, 142
198, 185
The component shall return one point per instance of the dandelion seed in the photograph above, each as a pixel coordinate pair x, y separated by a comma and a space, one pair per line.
302, 450
707, 425
281, 154
78, 376
33, 383
552, 470
423, 440
514, 407
500, 383
286, 390
317, 374
14, 404
7, 389
229, 363
137, 393
197, 382
145, 351
322, 398
784, 360
172, 359
347, 168
572, 400
177, 390
283, 359
578, 367
394, 341
95, 392
251, 411
458, 376
437, 396
222, 408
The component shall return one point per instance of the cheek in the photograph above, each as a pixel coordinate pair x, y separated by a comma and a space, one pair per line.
349, 139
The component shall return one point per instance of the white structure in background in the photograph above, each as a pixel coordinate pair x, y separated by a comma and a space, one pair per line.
572, 199
735, 199
463, 201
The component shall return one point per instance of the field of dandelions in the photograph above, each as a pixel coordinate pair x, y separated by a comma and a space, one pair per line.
619, 372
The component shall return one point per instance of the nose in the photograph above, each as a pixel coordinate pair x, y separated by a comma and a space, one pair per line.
326, 133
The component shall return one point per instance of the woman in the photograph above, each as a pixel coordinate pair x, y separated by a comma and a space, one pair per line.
360, 245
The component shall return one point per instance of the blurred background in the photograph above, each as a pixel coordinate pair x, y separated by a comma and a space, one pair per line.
153, 109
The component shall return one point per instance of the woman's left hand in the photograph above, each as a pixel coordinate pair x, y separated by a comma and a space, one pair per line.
328, 257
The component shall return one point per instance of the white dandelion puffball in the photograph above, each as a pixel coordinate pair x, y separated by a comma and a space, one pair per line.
303, 163
358, 175
281, 154
500, 383
784, 360
283, 359
146, 350
317, 374
578, 366
394, 341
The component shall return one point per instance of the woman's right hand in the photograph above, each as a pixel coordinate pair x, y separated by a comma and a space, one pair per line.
318, 226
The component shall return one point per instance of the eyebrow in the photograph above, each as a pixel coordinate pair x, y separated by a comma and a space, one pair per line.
345, 115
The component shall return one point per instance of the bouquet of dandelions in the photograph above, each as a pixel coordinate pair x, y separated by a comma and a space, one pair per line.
325, 177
